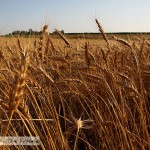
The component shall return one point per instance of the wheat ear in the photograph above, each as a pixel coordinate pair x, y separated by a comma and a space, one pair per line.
103, 33
16, 95
87, 59
41, 50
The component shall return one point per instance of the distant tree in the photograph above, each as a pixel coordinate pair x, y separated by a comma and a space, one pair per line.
62, 31
54, 32
16, 33
24, 33
31, 31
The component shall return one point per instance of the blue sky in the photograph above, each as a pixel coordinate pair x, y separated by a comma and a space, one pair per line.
75, 15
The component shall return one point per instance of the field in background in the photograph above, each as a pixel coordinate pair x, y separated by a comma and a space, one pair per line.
87, 92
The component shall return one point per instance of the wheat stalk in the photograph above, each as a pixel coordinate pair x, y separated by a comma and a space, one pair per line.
6, 120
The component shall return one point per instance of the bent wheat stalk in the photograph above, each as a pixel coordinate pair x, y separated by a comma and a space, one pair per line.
64, 38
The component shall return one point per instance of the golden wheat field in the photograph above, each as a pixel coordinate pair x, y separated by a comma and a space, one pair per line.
76, 93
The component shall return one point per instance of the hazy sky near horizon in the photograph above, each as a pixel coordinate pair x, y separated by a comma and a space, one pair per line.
75, 15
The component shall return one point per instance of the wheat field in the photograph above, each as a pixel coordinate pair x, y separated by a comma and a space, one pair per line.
76, 93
